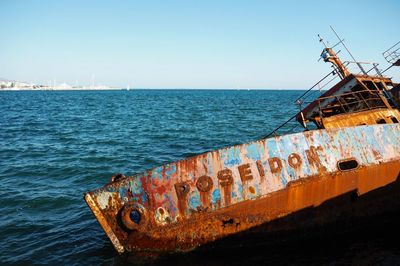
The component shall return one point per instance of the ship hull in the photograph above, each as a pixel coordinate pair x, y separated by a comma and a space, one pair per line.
280, 184
354, 228
267, 214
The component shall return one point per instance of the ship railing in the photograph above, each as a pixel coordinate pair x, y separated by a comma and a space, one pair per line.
285, 128
327, 79
317, 87
359, 68
392, 55
362, 100
315, 92
306, 98
362, 103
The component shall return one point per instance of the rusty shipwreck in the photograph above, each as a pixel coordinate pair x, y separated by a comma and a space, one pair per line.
349, 145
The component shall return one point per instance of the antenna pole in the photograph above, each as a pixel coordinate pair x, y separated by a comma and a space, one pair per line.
340, 40
322, 40
345, 47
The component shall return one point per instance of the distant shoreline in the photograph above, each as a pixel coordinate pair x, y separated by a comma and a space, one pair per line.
61, 89
137, 89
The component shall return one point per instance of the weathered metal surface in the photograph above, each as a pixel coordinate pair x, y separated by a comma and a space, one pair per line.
206, 197
369, 117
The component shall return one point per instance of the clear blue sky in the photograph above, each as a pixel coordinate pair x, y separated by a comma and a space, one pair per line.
187, 44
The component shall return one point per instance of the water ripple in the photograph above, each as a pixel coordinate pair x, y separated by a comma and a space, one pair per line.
56, 145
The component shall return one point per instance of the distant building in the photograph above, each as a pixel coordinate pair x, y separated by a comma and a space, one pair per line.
64, 86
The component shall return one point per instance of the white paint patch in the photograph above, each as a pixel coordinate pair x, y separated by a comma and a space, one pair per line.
162, 215
104, 198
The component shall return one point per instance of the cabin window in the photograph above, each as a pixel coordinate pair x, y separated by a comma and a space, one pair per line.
348, 164
394, 119
381, 121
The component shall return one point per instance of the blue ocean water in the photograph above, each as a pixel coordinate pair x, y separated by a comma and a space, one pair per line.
56, 145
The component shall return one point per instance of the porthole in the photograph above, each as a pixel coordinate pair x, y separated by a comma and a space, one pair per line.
381, 121
348, 164
394, 119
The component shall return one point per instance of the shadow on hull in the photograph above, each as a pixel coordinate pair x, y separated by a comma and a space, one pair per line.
348, 229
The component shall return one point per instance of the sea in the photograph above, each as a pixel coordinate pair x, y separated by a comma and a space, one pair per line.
57, 145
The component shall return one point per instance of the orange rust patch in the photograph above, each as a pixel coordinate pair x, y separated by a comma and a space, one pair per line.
245, 172
226, 181
182, 190
275, 164
294, 160
314, 159
261, 171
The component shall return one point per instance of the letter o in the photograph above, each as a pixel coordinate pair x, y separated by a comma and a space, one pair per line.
204, 183
294, 160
